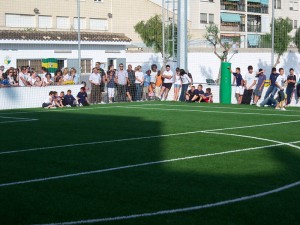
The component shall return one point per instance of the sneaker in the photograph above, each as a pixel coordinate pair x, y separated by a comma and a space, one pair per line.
277, 108
283, 109
266, 105
258, 105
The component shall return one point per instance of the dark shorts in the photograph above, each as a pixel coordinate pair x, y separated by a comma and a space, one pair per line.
167, 85
257, 92
281, 96
46, 105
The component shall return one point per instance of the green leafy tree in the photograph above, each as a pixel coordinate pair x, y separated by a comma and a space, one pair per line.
150, 32
297, 39
212, 35
282, 39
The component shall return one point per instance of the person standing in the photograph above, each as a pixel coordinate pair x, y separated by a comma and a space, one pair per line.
153, 76
95, 80
122, 77
103, 76
177, 84
111, 81
23, 76
139, 81
185, 84
238, 78
291, 83
131, 84
147, 83
249, 83
279, 84
167, 83
261, 79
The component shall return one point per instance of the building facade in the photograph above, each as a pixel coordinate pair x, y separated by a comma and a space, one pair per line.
246, 19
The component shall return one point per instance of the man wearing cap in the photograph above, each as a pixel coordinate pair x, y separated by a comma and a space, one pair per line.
261, 79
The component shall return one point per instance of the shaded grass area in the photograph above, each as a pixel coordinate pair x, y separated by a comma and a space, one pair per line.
150, 188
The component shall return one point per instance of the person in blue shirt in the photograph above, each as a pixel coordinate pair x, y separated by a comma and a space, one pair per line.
238, 79
272, 89
5, 81
198, 94
69, 99
147, 82
82, 97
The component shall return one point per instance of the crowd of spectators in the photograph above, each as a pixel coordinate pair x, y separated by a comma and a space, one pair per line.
29, 77
132, 84
282, 88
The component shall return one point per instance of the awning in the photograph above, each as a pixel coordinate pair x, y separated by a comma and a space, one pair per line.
264, 2
231, 17
253, 39
230, 35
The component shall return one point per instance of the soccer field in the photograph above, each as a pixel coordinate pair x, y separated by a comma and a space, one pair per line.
150, 163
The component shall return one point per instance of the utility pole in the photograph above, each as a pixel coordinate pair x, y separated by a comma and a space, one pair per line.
79, 39
182, 35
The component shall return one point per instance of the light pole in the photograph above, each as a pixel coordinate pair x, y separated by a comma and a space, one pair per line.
273, 32
182, 35
79, 39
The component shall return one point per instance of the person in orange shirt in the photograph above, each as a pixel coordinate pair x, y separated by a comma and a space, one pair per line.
158, 84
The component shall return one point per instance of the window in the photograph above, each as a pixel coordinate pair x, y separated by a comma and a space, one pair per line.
86, 66
203, 17
98, 0
277, 4
82, 23
98, 24
295, 24
62, 22
211, 18
15, 20
45, 22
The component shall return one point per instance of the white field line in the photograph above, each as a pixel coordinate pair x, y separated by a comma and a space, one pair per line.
181, 210
216, 107
256, 138
139, 165
17, 118
206, 111
141, 138
18, 121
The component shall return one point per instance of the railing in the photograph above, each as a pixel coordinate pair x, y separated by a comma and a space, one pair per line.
254, 28
258, 8
232, 27
233, 6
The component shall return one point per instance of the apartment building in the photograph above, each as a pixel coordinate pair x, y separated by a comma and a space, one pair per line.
110, 16
246, 19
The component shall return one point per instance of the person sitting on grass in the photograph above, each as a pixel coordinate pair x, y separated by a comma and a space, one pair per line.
198, 94
190, 94
69, 99
48, 103
207, 97
57, 100
82, 97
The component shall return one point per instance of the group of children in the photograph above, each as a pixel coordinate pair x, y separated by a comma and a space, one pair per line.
198, 95
66, 100
250, 87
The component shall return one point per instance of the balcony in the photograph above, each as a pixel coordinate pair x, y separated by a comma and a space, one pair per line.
254, 28
258, 8
233, 6
232, 27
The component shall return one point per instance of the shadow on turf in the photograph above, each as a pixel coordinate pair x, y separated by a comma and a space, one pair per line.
144, 189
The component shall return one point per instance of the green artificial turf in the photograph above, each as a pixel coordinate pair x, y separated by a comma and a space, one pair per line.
112, 136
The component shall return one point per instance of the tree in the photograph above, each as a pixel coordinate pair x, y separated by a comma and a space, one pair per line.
297, 39
282, 38
212, 35
151, 34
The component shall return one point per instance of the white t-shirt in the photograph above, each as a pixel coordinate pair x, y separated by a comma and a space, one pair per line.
168, 73
68, 77
31, 80
280, 81
178, 79
24, 76
140, 76
48, 100
250, 78
153, 76
95, 78
185, 79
